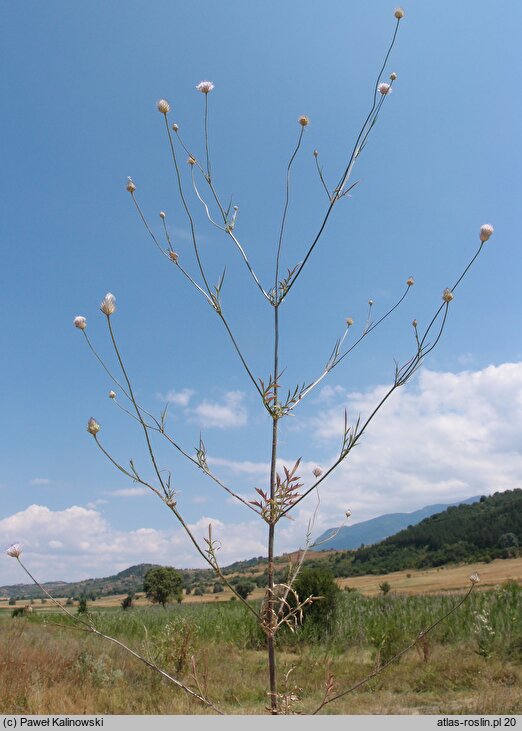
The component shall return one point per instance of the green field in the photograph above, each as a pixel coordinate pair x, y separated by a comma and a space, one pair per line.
470, 664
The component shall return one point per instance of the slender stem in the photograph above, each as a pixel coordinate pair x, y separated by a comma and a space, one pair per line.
213, 564
91, 628
238, 351
285, 210
338, 359
136, 407
226, 228
321, 177
107, 371
187, 530
185, 206
362, 136
149, 230
206, 138
371, 675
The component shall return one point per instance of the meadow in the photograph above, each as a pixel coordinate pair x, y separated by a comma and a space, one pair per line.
471, 663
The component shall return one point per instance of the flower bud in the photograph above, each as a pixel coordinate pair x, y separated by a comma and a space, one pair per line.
108, 304
175, 127
163, 106
485, 231
174, 256
317, 471
162, 214
399, 13
15, 550
303, 121
93, 427
347, 513
415, 323
410, 281
447, 295
112, 394
474, 578
130, 185
349, 321
393, 76
80, 322
191, 160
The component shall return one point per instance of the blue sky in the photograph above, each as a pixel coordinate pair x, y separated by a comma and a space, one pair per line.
79, 92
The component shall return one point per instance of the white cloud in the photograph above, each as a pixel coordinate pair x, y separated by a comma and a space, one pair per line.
78, 543
180, 398
229, 413
129, 492
40, 481
240, 468
444, 437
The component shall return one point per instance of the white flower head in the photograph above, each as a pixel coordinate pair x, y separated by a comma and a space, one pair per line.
317, 472
399, 13
175, 127
108, 304
112, 394
162, 214
485, 231
80, 322
474, 578
384, 89
205, 86
130, 185
93, 427
370, 302
303, 121
447, 295
15, 550
163, 106
349, 321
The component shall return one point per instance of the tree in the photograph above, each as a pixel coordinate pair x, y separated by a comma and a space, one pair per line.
82, 605
244, 588
126, 602
161, 583
318, 583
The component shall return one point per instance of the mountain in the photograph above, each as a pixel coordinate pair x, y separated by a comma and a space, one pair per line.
129, 580
465, 533
372, 531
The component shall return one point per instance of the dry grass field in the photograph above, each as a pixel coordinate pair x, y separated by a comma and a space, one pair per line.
51, 672
463, 668
434, 581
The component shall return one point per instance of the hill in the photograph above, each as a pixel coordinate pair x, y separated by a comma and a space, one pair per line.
128, 580
482, 531
377, 529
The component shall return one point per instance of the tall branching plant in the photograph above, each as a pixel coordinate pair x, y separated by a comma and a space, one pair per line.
286, 489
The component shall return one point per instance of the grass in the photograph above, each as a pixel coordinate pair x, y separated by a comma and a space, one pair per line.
467, 666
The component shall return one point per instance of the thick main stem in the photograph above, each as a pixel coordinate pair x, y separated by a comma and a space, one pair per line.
271, 614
